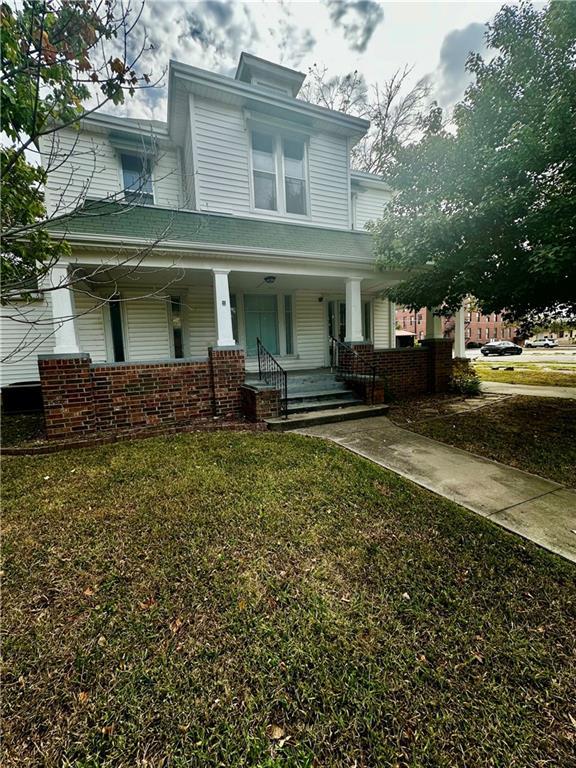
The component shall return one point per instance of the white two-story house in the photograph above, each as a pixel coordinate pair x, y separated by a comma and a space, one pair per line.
233, 234
238, 218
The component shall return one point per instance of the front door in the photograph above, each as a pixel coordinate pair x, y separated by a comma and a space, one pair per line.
261, 318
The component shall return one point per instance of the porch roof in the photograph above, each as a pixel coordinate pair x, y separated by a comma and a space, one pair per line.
96, 221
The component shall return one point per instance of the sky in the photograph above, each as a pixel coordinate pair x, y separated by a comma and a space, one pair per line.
375, 38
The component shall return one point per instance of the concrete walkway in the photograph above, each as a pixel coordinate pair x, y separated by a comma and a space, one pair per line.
539, 510
498, 388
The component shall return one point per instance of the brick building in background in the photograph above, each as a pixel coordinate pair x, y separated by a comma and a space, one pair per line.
479, 328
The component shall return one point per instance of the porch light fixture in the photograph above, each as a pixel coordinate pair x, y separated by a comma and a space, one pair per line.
270, 279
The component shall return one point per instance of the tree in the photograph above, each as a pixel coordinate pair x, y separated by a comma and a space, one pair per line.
61, 61
490, 210
395, 111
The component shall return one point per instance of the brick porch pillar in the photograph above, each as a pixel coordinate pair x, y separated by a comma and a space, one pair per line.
227, 367
440, 363
67, 393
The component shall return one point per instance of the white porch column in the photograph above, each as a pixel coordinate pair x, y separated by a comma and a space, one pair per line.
353, 310
65, 338
391, 324
459, 335
223, 309
433, 325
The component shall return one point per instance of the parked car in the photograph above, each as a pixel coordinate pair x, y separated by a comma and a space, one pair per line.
501, 348
548, 343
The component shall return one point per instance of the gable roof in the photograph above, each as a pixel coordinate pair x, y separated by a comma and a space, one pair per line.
125, 223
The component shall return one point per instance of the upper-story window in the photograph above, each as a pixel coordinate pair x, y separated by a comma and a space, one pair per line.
264, 169
273, 158
137, 178
294, 177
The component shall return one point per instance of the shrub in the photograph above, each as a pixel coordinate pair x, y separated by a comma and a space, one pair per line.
464, 379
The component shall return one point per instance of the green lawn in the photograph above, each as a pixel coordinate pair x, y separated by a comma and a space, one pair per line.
538, 374
235, 599
537, 434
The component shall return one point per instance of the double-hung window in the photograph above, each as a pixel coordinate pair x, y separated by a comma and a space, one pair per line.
137, 178
294, 178
279, 174
264, 170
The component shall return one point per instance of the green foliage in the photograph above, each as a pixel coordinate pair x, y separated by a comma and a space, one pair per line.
490, 210
54, 57
464, 379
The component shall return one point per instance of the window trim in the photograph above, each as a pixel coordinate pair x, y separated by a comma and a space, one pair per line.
121, 176
108, 332
170, 298
278, 136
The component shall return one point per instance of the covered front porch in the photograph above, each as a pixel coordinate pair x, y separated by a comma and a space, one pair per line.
179, 313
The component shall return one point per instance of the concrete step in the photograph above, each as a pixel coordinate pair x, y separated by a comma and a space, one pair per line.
327, 416
303, 406
317, 393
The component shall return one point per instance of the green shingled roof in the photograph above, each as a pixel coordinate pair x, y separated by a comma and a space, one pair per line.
126, 222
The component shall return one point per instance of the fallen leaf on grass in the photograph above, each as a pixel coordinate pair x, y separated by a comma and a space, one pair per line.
108, 730
148, 603
275, 732
175, 625
89, 591
83, 697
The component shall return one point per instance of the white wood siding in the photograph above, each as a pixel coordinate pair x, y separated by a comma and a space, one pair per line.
221, 147
146, 329
22, 342
369, 204
199, 322
85, 164
90, 326
166, 178
381, 316
222, 165
188, 173
329, 193
310, 330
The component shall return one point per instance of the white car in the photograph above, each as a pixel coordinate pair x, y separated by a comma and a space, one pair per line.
548, 343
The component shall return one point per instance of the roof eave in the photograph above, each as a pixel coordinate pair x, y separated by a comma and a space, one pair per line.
348, 123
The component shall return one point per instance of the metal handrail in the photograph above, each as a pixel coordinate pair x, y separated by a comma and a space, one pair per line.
350, 364
271, 372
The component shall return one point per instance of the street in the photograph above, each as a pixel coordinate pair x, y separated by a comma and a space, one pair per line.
556, 355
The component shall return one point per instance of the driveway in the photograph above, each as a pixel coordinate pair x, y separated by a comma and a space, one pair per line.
537, 509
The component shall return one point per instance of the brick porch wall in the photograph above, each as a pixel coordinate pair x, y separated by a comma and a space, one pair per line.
81, 398
260, 404
412, 371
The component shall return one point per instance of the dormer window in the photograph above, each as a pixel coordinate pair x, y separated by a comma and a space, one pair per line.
276, 157
137, 179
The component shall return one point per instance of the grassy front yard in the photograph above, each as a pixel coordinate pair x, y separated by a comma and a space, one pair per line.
537, 374
537, 434
270, 600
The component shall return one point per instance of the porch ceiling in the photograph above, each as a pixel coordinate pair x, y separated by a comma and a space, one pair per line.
241, 281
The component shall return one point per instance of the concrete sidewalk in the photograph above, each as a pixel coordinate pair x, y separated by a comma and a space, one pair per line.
539, 510
498, 388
